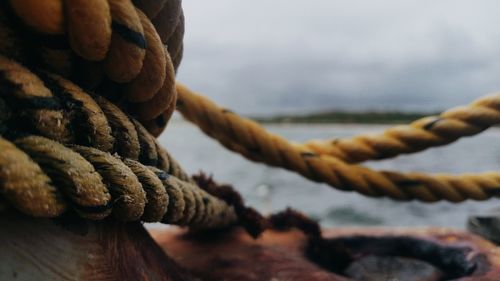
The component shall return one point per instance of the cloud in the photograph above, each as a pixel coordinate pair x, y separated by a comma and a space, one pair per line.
264, 57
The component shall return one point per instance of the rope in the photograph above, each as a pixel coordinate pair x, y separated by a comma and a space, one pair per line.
69, 151
421, 134
43, 178
255, 143
109, 47
51, 106
65, 149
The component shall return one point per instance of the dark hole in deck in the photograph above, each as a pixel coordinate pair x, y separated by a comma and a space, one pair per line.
338, 254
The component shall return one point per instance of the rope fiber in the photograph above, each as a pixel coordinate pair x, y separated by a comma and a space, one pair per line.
63, 150
43, 178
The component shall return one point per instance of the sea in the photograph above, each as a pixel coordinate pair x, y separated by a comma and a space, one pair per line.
273, 189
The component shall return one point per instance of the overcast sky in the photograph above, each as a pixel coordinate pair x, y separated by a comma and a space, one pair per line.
275, 56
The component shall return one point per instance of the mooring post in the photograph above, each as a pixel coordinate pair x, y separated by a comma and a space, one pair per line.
75, 249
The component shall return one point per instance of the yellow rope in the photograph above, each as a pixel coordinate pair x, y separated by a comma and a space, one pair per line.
60, 148
255, 143
113, 49
419, 135
146, 73
44, 178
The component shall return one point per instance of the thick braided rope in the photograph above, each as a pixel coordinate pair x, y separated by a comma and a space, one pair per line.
49, 105
419, 135
254, 142
110, 47
43, 178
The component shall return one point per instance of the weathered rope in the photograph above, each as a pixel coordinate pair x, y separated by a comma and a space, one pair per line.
254, 142
421, 134
65, 149
51, 106
110, 47
254, 222
43, 178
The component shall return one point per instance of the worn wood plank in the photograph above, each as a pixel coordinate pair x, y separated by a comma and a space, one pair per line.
78, 250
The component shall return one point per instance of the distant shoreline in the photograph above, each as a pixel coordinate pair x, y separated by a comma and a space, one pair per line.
345, 117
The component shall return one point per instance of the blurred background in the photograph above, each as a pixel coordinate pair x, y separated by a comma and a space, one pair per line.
285, 61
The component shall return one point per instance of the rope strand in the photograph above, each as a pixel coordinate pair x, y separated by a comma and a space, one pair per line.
46, 177
255, 143
109, 47
421, 134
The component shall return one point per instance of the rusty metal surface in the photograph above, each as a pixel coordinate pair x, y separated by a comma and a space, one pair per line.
282, 255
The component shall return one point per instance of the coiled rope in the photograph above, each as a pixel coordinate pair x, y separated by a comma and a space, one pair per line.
91, 157
322, 163
112, 48
63, 148
43, 178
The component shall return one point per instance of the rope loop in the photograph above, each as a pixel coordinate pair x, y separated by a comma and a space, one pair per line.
127, 51
79, 115
64, 150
